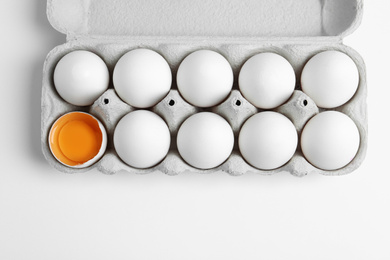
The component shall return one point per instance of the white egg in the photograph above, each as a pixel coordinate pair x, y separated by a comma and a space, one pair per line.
330, 78
330, 140
142, 139
80, 77
205, 140
267, 80
142, 78
205, 78
268, 140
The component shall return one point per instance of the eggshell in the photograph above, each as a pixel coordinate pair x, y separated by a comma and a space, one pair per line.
142, 78
91, 125
80, 77
205, 140
267, 80
330, 78
330, 140
205, 78
268, 140
142, 139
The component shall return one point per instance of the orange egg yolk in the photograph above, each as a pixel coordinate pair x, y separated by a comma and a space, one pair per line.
75, 138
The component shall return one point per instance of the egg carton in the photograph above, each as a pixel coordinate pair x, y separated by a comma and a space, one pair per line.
237, 29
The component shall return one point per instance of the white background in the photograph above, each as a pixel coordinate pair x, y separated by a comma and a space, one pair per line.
45, 214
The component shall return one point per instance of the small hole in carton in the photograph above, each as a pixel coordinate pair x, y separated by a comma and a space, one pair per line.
106, 101
305, 103
238, 103
172, 102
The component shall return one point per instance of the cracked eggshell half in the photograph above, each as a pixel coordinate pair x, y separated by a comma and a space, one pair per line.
77, 140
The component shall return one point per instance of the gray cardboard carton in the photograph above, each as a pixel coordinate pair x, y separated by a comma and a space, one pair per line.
238, 29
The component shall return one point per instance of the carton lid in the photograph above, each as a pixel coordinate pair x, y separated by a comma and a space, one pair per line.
205, 18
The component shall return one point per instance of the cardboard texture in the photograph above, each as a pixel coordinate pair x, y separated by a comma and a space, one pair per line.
238, 29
